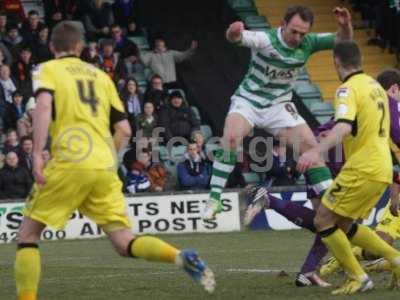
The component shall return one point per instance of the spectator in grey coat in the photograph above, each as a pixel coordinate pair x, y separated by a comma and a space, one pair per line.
162, 61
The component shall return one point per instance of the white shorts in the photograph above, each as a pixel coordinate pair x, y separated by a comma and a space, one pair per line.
272, 119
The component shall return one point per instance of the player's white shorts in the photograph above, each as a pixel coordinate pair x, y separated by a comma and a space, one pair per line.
272, 119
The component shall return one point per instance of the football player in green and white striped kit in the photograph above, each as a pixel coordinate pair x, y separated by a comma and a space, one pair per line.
263, 98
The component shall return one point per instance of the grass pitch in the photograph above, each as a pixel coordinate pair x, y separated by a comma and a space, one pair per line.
247, 266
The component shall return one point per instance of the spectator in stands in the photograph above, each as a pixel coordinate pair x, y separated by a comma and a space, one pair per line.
120, 40
91, 54
41, 47
133, 101
134, 30
21, 72
46, 156
13, 41
5, 56
124, 12
24, 125
162, 61
14, 10
137, 179
198, 138
158, 176
11, 143
3, 25
193, 173
147, 121
30, 28
25, 154
109, 59
157, 98
58, 10
156, 84
15, 182
7, 85
283, 170
98, 18
178, 119
128, 65
14, 111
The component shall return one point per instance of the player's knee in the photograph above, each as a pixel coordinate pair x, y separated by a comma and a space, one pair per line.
319, 223
25, 236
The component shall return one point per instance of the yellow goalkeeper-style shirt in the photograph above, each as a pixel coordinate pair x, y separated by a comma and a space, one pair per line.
363, 103
85, 106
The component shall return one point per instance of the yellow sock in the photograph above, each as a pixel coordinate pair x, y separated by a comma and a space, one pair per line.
357, 251
153, 249
367, 239
27, 272
340, 247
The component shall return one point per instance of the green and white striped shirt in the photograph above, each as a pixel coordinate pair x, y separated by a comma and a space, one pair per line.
274, 65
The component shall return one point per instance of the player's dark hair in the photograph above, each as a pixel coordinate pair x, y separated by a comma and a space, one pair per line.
304, 13
348, 53
66, 35
389, 77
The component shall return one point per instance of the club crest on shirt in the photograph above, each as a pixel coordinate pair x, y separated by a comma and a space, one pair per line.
342, 92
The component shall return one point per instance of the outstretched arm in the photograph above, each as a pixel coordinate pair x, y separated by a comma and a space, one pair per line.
238, 35
343, 17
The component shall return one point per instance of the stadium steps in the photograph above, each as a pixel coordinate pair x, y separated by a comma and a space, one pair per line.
320, 66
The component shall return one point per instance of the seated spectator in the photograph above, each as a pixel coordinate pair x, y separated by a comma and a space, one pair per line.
30, 28
22, 72
5, 55
193, 173
147, 121
137, 179
283, 170
46, 156
41, 47
25, 154
158, 100
133, 101
128, 65
56, 10
11, 143
156, 84
134, 30
124, 12
120, 40
13, 41
14, 10
3, 25
162, 61
14, 111
109, 59
7, 84
15, 182
24, 125
157, 175
178, 119
91, 55
98, 19
198, 138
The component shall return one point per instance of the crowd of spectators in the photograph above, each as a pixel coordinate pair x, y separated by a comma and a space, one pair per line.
111, 31
382, 18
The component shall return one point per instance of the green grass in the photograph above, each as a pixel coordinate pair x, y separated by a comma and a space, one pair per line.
91, 270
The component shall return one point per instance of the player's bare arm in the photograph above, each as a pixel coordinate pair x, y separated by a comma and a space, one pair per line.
343, 17
122, 134
41, 122
394, 199
334, 138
